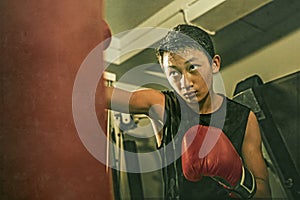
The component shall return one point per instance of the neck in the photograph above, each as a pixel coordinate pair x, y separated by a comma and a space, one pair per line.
209, 104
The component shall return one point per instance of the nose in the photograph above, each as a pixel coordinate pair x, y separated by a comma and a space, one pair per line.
185, 84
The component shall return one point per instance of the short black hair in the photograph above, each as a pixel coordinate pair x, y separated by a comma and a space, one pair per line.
186, 36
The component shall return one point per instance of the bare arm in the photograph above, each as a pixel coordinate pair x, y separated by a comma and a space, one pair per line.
137, 102
252, 154
149, 102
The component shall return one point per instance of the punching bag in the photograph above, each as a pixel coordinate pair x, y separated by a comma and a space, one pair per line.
43, 43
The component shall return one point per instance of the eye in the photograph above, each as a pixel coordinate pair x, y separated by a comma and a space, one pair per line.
192, 68
175, 75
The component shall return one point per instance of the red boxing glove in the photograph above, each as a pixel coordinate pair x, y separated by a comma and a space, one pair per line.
206, 151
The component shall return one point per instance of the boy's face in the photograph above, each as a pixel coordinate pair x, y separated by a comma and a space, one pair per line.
190, 73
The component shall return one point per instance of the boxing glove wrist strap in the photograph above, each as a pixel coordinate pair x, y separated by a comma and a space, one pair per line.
246, 187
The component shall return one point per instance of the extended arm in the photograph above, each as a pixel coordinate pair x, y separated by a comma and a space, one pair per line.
137, 102
253, 158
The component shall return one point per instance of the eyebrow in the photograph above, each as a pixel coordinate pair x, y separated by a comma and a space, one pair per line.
173, 67
190, 60
186, 62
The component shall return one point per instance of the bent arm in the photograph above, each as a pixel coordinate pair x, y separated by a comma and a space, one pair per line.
146, 101
149, 102
253, 157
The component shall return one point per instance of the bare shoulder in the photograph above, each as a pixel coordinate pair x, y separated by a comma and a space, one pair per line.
252, 143
252, 134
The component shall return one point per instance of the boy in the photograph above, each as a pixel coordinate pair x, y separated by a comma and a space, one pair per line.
212, 145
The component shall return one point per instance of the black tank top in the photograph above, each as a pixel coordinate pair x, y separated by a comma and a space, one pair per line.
231, 118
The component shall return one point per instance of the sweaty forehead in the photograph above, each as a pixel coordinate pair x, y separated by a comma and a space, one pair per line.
182, 57
172, 58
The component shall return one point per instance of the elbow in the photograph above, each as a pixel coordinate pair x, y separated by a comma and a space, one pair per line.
263, 189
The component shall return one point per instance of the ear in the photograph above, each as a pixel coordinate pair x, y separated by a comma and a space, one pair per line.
216, 64
160, 61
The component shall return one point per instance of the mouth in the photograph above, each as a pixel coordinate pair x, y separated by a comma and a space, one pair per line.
190, 94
